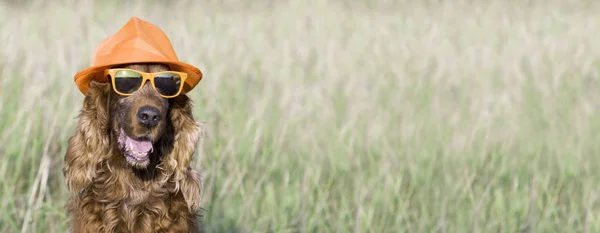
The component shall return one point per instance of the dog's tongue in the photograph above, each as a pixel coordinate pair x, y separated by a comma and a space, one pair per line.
139, 146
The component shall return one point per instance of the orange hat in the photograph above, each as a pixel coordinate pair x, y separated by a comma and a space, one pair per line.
137, 42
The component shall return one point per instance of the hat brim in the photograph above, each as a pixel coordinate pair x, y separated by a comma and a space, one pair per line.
83, 78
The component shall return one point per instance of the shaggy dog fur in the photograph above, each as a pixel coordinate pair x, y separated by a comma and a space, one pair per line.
110, 190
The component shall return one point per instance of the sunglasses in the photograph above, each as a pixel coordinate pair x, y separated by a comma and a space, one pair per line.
126, 81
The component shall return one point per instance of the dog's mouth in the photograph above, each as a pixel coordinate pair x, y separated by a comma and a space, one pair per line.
137, 152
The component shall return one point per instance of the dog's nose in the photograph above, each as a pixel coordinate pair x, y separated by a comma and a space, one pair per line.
148, 116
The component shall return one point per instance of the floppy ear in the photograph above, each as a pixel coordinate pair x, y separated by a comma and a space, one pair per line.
191, 188
90, 143
187, 133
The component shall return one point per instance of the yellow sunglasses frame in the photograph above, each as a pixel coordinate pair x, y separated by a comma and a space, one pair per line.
145, 77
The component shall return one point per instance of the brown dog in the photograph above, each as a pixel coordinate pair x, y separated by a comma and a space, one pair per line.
127, 165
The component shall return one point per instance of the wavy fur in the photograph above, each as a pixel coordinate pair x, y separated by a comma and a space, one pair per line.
107, 196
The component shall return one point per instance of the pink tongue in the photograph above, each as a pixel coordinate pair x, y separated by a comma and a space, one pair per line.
138, 146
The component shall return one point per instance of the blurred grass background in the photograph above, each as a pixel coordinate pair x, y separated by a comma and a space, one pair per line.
335, 116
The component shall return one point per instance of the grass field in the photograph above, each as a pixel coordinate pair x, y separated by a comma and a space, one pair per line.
335, 116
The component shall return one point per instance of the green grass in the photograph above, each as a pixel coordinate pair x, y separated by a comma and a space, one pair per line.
335, 116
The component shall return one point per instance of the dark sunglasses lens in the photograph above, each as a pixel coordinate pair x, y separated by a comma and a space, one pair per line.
127, 81
167, 84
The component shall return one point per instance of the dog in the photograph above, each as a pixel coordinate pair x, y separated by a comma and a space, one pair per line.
127, 166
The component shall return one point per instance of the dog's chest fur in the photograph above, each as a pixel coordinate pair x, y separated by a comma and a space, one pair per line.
124, 203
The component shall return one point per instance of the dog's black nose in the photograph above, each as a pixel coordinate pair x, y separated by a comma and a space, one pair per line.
148, 116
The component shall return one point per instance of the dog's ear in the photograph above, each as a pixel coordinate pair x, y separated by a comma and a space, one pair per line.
187, 132
191, 188
90, 143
